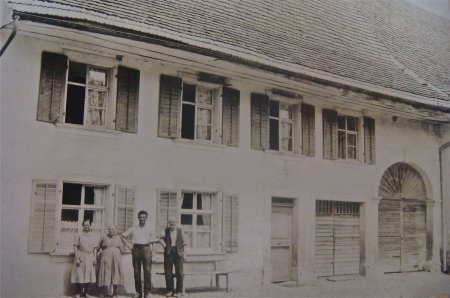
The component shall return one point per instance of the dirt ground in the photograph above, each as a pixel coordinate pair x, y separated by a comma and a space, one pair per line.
415, 284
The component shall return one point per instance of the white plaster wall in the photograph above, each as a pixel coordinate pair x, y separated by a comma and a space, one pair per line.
39, 150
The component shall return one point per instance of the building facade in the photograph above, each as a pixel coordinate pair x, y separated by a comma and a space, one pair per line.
283, 174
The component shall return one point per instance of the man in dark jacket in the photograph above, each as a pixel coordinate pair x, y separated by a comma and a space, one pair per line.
173, 256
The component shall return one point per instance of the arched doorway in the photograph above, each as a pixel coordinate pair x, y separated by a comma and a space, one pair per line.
402, 219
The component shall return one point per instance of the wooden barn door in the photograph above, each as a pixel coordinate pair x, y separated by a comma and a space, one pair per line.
338, 248
402, 220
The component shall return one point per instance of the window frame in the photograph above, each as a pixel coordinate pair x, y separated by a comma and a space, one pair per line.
346, 133
216, 217
282, 120
111, 94
215, 108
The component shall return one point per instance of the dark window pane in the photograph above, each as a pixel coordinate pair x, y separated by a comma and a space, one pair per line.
351, 123
341, 122
274, 134
188, 92
71, 194
341, 145
274, 108
200, 220
199, 202
75, 104
69, 215
188, 122
186, 219
89, 214
89, 195
77, 72
188, 199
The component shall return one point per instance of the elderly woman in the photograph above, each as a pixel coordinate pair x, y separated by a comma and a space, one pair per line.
83, 270
111, 272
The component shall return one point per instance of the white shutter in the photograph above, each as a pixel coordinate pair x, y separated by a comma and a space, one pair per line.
230, 231
42, 221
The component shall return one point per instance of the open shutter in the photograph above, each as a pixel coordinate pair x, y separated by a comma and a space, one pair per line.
230, 116
369, 140
169, 100
52, 86
330, 142
127, 99
308, 130
42, 222
230, 212
167, 206
260, 121
125, 201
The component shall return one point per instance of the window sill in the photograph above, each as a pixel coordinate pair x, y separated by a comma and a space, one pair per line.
196, 144
194, 256
351, 162
283, 154
85, 130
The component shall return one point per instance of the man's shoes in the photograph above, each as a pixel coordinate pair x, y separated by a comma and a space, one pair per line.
169, 294
179, 294
138, 295
147, 295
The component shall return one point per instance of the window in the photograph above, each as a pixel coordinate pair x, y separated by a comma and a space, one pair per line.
197, 112
197, 216
80, 202
281, 126
191, 111
276, 125
77, 93
347, 137
54, 225
209, 223
87, 95
342, 137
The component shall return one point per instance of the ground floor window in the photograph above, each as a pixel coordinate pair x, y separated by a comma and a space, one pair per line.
59, 208
208, 219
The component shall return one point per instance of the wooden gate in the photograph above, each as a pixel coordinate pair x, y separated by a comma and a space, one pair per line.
402, 220
338, 248
281, 242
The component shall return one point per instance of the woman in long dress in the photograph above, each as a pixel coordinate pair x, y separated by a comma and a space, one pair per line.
83, 270
110, 274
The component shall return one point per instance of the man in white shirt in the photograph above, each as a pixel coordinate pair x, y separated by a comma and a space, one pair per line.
142, 240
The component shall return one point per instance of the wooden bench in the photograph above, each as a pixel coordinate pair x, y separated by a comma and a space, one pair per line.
220, 270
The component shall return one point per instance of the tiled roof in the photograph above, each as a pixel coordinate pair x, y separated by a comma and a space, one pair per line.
385, 43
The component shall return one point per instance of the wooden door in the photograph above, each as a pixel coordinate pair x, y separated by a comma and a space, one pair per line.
281, 243
338, 248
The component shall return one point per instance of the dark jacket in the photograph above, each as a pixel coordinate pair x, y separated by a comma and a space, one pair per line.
179, 242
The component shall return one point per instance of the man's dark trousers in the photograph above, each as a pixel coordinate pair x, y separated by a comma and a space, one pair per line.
170, 260
142, 256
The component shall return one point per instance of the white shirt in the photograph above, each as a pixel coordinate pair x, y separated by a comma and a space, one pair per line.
139, 234
173, 237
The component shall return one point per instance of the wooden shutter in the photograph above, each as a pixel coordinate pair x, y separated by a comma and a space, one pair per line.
167, 206
369, 140
260, 121
330, 142
52, 86
42, 222
125, 202
230, 212
308, 129
230, 116
169, 101
127, 99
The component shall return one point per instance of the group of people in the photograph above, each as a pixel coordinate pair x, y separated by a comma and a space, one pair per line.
106, 252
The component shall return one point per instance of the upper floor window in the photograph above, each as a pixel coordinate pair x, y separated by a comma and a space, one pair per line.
191, 111
282, 125
81, 94
345, 138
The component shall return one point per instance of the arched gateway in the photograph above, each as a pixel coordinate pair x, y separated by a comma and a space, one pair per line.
402, 219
